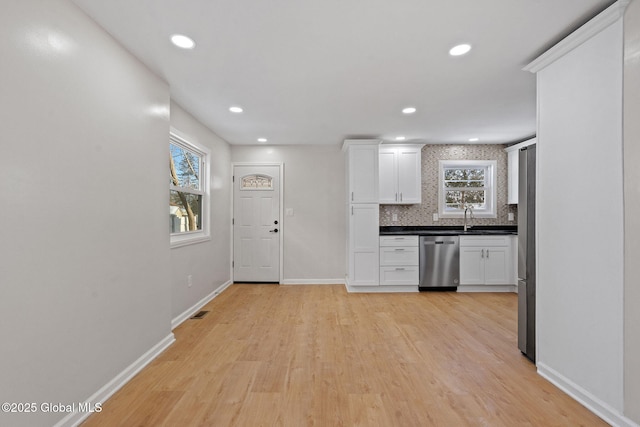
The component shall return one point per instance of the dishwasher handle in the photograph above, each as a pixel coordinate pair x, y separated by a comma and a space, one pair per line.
438, 242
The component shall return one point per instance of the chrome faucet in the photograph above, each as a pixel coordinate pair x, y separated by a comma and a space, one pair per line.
467, 208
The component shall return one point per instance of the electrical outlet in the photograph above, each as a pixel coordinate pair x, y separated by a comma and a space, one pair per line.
189, 281
435, 217
394, 217
510, 216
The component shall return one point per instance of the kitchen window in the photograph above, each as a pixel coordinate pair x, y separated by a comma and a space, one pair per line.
188, 192
467, 183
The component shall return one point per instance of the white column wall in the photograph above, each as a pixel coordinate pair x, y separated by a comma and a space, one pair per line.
84, 259
632, 210
580, 221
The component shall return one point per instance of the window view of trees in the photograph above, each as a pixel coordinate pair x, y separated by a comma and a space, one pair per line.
465, 187
185, 194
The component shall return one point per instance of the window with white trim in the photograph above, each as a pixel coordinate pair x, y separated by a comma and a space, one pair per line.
467, 184
188, 192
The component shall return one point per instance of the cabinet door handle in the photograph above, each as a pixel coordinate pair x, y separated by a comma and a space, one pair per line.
399, 268
481, 255
396, 197
351, 210
352, 196
399, 249
487, 253
400, 196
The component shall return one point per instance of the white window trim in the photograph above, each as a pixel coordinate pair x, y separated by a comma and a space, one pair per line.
192, 237
490, 188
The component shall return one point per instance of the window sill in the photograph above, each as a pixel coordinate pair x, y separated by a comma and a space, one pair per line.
193, 239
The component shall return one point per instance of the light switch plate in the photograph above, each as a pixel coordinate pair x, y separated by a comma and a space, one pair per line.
435, 217
288, 211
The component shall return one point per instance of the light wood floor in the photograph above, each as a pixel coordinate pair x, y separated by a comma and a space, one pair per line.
269, 355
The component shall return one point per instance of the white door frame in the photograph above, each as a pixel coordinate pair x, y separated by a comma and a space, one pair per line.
281, 214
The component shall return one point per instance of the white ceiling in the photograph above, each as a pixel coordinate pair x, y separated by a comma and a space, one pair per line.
318, 72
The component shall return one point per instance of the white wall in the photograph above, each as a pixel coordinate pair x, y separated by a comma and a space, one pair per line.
314, 187
580, 221
209, 263
632, 210
85, 258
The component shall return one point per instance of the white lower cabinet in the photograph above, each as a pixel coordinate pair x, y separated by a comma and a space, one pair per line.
363, 245
486, 260
399, 260
399, 275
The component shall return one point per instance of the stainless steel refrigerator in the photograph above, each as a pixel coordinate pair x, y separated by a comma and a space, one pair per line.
527, 252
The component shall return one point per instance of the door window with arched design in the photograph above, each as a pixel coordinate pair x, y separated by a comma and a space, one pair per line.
256, 182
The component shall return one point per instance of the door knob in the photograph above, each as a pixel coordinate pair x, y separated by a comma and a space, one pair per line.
275, 230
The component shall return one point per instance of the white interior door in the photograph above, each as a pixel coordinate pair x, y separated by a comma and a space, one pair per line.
256, 224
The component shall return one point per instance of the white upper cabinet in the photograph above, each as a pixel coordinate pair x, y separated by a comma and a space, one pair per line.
400, 174
388, 171
410, 174
363, 173
512, 182
513, 169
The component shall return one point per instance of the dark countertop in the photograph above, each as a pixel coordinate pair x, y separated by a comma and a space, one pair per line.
431, 230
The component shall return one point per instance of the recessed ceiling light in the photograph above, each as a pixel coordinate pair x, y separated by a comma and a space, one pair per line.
262, 139
400, 138
183, 41
460, 49
474, 139
409, 110
236, 109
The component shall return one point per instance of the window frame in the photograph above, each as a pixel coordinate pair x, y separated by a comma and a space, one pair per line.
204, 234
490, 210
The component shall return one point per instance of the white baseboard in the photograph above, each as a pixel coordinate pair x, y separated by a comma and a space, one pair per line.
312, 282
588, 400
75, 418
488, 288
197, 306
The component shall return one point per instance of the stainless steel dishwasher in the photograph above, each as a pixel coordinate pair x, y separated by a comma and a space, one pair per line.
439, 262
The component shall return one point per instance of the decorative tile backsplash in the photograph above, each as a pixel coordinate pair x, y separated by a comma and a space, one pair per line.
422, 214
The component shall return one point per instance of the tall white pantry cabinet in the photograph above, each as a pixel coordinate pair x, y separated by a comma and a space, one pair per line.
363, 211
